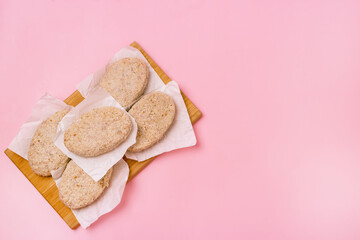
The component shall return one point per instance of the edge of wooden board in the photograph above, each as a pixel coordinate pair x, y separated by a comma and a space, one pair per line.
46, 185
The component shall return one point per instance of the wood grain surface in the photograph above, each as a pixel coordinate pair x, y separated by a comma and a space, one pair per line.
46, 185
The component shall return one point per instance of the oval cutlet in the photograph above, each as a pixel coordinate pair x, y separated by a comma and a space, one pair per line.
126, 80
98, 131
43, 155
154, 114
77, 189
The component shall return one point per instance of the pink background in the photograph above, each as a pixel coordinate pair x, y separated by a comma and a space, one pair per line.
278, 152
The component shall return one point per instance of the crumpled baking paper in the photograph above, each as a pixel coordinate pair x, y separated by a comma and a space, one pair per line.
98, 166
92, 81
108, 200
180, 133
44, 108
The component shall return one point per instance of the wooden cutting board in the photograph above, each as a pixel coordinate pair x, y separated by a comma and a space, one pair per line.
46, 185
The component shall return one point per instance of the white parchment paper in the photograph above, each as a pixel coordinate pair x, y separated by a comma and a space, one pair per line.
108, 200
98, 166
44, 108
92, 81
180, 134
